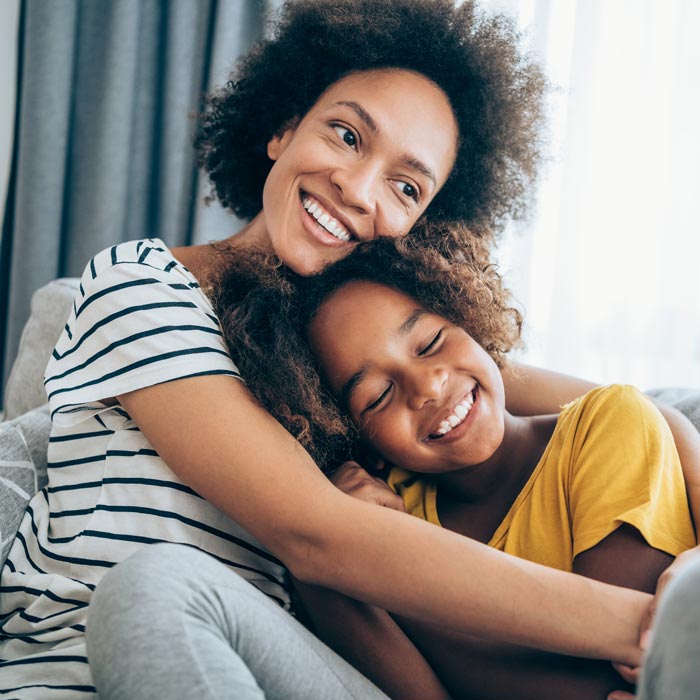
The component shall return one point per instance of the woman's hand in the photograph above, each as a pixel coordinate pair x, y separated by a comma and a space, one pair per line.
631, 673
355, 481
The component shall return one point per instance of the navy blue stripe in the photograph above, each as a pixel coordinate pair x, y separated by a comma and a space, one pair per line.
113, 252
132, 453
42, 660
67, 329
170, 266
130, 339
19, 536
138, 246
124, 480
116, 288
192, 523
136, 365
22, 612
100, 421
28, 639
124, 312
153, 540
92, 268
59, 557
82, 291
38, 592
74, 462
144, 254
68, 514
80, 436
78, 688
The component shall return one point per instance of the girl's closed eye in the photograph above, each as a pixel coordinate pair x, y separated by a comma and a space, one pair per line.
346, 135
379, 401
432, 345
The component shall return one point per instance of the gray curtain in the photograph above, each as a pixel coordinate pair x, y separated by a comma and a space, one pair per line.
107, 90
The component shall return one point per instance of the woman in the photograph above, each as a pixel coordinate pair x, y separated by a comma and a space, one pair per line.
362, 114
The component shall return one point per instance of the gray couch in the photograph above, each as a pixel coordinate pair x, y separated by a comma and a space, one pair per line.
24, 433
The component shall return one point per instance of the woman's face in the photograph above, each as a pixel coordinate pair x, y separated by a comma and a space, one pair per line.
421, 391
365, 161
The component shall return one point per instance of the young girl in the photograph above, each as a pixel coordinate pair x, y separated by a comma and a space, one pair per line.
409, 348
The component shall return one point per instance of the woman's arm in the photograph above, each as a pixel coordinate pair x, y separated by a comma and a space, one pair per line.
212, 433
532, 391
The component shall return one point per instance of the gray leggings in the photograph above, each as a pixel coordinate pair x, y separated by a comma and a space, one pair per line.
672, 668
171, 622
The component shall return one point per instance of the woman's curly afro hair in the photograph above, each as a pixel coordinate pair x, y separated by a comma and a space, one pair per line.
495, 90
265, 310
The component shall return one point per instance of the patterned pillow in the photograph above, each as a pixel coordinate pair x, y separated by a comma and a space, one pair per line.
23, 443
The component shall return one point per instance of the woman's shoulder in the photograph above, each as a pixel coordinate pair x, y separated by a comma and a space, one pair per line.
137, 258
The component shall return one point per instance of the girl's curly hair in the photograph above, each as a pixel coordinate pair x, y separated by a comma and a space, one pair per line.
495, 90
265, 308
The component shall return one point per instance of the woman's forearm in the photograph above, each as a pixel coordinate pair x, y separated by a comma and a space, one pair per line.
533, 391
245, 463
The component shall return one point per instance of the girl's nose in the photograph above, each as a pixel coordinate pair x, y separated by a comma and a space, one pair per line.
426, 384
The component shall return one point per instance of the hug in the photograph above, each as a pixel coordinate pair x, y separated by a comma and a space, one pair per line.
189, 541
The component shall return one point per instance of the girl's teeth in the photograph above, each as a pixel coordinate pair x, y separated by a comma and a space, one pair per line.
324, 220
461, 411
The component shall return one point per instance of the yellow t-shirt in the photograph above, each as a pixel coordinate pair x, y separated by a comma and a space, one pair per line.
611, 460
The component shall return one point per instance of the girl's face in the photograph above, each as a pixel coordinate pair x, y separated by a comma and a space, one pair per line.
365, 161
422, 392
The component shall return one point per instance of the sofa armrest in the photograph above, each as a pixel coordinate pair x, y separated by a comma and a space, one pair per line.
50, 307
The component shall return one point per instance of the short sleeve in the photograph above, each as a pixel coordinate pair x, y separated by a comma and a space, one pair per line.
132, 325
625, 468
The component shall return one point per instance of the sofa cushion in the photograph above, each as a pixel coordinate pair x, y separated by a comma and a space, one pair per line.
687, 401
50, 308
23, 443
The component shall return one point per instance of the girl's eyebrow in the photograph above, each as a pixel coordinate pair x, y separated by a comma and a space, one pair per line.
404, 329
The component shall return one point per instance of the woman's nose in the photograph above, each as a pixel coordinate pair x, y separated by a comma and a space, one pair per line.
426, 384
357, 186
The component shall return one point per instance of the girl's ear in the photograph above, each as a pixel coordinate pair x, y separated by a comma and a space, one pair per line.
279, 142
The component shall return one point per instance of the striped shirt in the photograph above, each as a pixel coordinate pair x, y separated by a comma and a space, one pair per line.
139, 319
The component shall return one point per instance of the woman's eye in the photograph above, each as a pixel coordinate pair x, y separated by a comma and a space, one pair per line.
379, 400
407, 189
431, 344
349, 139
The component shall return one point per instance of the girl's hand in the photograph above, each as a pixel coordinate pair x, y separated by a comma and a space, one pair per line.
631, 673
355, 481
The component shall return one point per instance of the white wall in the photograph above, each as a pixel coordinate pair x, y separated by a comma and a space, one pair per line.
9, 17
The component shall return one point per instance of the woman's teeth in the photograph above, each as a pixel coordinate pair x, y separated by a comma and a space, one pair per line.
333, 227
459, 413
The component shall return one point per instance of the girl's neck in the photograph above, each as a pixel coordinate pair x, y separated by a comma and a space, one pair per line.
475, 500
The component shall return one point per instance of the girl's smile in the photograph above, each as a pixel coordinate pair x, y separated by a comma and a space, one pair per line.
365, 161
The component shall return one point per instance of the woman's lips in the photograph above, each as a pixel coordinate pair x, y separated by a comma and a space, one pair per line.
316, 230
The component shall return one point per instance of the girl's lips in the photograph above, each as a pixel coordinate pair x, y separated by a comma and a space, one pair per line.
313, 228
457, 432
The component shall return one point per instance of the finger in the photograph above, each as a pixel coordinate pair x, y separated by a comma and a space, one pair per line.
629, 673
620, 695
389, 499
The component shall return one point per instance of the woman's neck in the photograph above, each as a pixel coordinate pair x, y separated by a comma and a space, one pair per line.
474, 500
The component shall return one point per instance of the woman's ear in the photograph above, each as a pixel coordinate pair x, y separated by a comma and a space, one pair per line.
279, 142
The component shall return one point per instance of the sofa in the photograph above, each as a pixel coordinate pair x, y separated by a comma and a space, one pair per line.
24, 432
